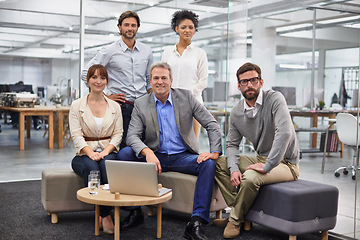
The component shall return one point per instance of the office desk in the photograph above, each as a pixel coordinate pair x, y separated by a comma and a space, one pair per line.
220, 113
61, 114
55, 116
314, 115
294, 113
36, 111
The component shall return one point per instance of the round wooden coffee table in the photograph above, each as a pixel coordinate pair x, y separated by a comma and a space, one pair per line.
106, 198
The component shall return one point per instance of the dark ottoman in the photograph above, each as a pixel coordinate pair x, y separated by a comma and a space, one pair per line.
296, 207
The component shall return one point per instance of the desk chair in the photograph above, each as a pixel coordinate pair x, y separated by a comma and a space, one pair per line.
347, 126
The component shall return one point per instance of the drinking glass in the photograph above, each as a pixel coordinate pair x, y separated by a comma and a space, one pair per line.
94, 182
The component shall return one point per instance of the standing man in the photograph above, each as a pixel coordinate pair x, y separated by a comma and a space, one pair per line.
127, 62
263, 118
165, 118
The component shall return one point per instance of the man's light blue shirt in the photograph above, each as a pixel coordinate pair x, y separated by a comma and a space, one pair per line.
171, 141
129, 71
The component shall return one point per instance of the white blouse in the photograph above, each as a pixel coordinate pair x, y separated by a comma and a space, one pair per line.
98, 121
189, 70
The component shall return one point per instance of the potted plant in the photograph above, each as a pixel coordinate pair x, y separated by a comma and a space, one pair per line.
57, 99
320, 105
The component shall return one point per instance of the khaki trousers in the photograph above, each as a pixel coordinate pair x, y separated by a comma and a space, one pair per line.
241, 199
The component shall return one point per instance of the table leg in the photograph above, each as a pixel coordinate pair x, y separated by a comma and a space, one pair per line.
97, 214
22, 131
60, 134
117, 222
51, 130
28, 126
159, 216
314, 135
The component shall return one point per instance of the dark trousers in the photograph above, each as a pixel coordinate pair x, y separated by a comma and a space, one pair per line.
82, 165
126, 110
185, 162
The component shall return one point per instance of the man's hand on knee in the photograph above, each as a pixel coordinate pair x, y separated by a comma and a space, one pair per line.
235, 178
256, 167
205, 156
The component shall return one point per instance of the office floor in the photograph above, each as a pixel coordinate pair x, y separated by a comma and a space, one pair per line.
25, 165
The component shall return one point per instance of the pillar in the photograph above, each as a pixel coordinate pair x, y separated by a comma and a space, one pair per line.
263, 50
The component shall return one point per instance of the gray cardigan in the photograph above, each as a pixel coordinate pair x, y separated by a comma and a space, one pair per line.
271, 132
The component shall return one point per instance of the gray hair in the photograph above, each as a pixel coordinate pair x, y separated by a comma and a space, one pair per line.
161, 65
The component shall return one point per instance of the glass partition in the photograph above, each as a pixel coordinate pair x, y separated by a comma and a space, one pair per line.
40, 45
299, 48
222, 34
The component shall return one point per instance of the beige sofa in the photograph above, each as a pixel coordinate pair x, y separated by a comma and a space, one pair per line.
59, 187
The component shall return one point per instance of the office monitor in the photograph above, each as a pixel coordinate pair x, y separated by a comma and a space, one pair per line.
51, 92
208, 95
289, 93
220, 91
20, 88
4, 88
41, 92
318, 96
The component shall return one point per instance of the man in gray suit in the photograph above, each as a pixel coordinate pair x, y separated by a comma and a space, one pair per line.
161, 132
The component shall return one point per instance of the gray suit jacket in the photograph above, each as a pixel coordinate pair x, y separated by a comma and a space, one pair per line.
144, 121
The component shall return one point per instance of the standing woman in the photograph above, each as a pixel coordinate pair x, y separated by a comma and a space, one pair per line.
189, 63
96, 130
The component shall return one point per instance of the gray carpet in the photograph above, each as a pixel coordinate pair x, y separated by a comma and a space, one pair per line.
22, 216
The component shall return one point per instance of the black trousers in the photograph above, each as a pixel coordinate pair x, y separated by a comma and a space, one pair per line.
126, 110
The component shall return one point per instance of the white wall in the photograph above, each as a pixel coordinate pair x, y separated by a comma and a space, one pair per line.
301, 79
61, 69
332, 83
334, 61
342, 58
31, 71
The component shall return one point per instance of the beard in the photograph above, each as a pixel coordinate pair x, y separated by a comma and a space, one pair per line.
124, 33
251, 96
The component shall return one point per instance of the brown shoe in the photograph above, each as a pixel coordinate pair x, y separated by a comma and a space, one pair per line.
221, 222
231, 230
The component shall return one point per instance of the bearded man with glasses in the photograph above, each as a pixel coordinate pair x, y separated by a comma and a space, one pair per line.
263, 118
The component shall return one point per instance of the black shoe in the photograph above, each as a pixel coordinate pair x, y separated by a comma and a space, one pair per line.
194, 231
134, 218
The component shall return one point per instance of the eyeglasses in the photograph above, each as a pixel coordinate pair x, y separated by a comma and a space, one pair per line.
244, 82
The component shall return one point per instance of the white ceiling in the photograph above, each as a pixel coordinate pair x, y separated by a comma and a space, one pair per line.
50, 29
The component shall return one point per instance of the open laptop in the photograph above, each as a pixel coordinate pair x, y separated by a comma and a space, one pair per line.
135, 178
